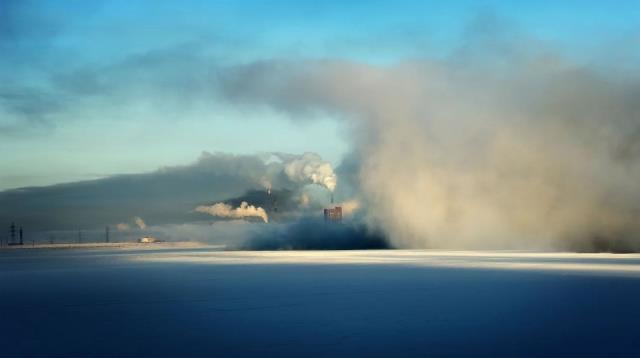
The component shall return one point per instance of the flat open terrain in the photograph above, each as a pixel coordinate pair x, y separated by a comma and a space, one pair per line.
198, 301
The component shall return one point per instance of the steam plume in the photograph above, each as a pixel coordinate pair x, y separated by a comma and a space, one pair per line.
266, 183
139, 222
511, 149
227, 211
310, 168
122, 226
349, 207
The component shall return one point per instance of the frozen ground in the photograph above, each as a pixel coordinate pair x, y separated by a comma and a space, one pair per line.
197, 301
109, 245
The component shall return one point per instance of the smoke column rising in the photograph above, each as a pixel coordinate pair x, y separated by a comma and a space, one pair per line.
122, 226
139, 222
517, 149
310, 168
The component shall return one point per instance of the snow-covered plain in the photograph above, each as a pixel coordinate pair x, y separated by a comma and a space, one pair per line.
200, 301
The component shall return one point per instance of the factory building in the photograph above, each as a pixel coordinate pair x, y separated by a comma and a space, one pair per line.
333, 214
148, 240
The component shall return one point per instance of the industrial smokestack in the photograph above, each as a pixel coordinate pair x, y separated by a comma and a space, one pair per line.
266, 183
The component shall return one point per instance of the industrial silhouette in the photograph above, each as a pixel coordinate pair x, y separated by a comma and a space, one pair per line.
333, 214
12, 232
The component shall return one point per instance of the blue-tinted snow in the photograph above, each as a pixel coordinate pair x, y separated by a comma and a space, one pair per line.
202, 302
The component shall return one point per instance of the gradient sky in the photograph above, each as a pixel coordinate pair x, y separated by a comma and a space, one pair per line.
90, 89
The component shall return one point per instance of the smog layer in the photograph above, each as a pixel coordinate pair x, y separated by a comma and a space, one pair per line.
534, 151
502, 142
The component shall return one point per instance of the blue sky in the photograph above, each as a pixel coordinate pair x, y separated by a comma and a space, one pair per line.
92, 89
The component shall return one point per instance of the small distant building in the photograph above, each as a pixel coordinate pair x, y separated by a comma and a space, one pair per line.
333, 214
148, 240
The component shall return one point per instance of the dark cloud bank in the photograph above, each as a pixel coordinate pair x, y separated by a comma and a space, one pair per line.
165, 196
166, 199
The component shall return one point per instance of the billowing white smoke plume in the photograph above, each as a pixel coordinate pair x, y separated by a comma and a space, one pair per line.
310, 168
266, 183
349, 207
227, 211
274, 170
136, 220
498, 148
122, 226
139, 222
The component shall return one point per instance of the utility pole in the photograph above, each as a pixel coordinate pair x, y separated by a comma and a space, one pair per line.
21, 242
12, 230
